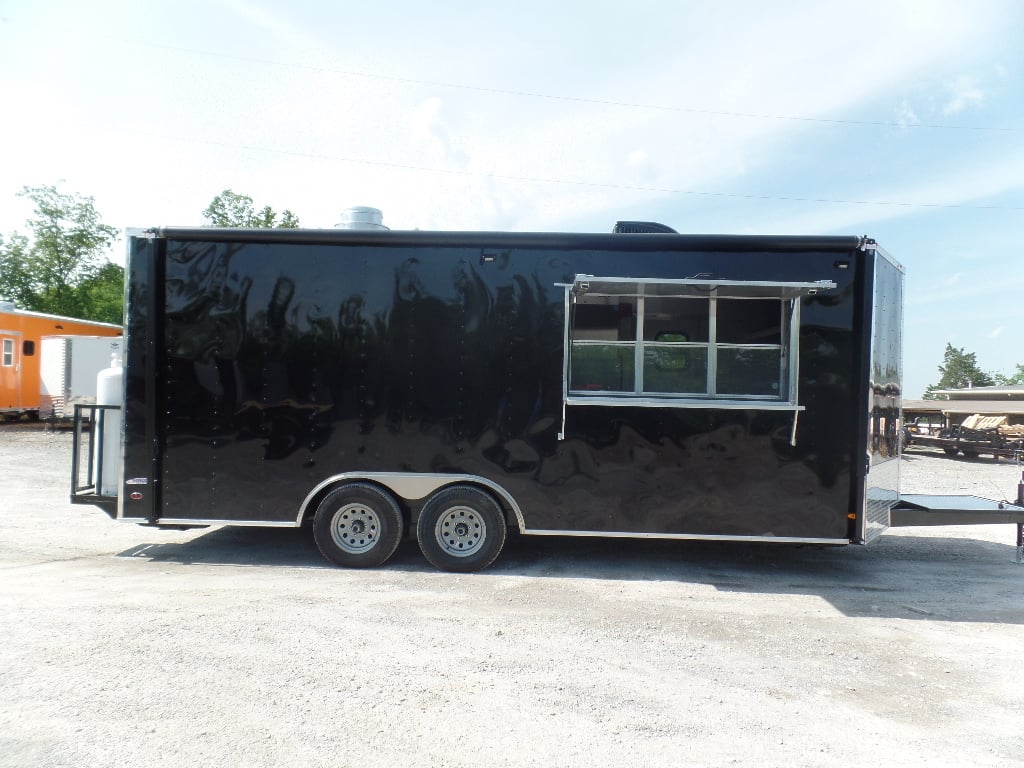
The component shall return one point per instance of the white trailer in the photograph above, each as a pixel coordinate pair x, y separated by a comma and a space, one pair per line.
69, 366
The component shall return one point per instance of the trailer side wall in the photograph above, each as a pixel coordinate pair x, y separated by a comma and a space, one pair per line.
259, 369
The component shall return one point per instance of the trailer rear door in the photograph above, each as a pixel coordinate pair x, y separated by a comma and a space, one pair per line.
884, 395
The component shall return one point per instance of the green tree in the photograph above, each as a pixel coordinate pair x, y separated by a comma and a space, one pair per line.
959, 369
1016, 378
16, 282
66, 248
103, 294
48, 271
229, 209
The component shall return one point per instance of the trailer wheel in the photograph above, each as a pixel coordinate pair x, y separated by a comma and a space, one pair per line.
358, 526
461, 529
950, 451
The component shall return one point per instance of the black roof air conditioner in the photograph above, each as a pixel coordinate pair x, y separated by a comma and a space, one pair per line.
642, 228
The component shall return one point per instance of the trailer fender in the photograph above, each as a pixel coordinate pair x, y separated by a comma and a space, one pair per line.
410, 486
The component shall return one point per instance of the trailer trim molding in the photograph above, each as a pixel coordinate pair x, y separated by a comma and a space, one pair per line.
193, 523
668, 402
682, 536
411, 486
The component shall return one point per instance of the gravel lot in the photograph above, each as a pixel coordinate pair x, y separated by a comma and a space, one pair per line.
127, 646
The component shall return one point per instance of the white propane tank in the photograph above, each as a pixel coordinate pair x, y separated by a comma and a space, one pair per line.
109, 391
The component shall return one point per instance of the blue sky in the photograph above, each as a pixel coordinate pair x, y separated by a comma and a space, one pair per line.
901, 120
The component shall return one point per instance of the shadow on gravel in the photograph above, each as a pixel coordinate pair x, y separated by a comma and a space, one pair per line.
905, 576
273, 547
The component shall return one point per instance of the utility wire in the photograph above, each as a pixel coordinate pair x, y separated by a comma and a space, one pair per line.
576, 99
567, 182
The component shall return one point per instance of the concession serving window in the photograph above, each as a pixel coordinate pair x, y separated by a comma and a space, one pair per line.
695, 342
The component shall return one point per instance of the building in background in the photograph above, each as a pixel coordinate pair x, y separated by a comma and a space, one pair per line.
21, 335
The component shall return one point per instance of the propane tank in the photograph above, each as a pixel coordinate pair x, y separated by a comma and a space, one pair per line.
109, 391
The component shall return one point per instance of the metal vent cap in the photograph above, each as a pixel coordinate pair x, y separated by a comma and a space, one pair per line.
361, 217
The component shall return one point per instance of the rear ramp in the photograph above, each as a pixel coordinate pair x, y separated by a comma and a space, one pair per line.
926, 509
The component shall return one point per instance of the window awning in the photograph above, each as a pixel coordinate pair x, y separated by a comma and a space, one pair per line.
696, 286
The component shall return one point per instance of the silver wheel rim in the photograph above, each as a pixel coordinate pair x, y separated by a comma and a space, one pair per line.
355, 529
460, 531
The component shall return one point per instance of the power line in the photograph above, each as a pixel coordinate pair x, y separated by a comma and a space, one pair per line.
578, 99
571, 182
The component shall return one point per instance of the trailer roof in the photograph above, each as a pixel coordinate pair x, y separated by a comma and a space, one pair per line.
45, 316
596, 241
999, 407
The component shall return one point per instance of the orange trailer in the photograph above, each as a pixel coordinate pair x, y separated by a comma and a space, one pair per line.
21, 333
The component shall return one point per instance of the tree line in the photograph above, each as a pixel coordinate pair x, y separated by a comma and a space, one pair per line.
959, 370
60, 266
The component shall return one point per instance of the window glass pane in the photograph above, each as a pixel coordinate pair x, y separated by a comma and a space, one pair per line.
748, 372
741, 342
28, 348
602, 368
8, 359
681, 370
749, 321
604, 318
674, 319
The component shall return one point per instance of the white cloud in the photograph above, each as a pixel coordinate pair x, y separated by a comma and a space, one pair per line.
906, 116
963, 182
996, 332
432, 139
979, 288
964, 93
275, 23
425, 119
637, 158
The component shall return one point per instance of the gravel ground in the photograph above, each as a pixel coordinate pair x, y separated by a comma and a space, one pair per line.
127, 646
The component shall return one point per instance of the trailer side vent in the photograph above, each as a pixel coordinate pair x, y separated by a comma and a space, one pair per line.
642, 228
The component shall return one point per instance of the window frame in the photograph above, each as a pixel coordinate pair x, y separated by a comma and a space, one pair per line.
7, 353
789, 295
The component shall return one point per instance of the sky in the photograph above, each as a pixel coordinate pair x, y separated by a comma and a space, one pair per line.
901, 119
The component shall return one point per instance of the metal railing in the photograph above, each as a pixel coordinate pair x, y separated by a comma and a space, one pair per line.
87, 459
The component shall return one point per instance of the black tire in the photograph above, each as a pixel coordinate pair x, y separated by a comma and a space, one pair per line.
461, 529
358, 526
950, 451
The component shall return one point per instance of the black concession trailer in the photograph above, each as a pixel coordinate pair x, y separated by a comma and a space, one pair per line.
453, 386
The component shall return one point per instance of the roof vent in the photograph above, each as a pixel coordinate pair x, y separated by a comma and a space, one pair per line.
642, 228
361, 217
